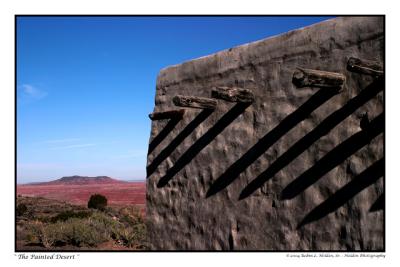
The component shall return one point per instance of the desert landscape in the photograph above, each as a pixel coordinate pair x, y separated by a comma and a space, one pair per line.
57, 216
77, 190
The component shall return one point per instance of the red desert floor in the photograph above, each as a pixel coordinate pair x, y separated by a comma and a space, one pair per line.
129, 193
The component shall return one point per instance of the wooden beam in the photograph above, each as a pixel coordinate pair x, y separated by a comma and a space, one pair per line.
194, 102
230, 94
169, 114
317, 78
368, 67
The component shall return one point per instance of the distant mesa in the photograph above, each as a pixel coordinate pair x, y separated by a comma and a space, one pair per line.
81, 180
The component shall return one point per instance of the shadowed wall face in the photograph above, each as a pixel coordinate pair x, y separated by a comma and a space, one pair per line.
299, 168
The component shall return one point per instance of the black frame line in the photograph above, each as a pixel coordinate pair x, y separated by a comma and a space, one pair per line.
16, 16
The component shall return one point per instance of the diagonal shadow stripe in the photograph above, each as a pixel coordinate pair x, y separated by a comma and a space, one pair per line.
366, 178
269, 139
322, 129
379, 204
178, 140
164, 133
334, 158
203, 141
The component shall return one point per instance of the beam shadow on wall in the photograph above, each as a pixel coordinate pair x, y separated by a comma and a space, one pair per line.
202, 116
164, 133
379, 204
203, 141
269, 139
366, 178
305, 142
334, 157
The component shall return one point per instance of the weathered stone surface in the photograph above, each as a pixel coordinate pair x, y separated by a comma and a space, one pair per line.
220, 176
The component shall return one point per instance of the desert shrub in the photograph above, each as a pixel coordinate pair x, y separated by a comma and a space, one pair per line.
130, 234
91, 231
43, 219
80, 233
132, 237
21, 209
32, 233
45, 234
131, 215
33, 230
65, 215
97, 201
52, 234
31, 238
133, 234
105, 224
74, 231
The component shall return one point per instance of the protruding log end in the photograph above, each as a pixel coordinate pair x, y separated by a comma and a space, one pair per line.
317, 78
368, 67
169, 114
195, 102
238, 95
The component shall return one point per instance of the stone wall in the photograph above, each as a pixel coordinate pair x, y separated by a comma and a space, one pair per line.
300, 168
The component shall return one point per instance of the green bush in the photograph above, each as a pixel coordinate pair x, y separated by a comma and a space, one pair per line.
52, 234
97, 201
133, 236
80, 233
45, 234
125, 228
74, 231
65, 215
130, 234
32, 235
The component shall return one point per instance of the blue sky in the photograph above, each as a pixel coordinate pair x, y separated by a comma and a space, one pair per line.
85, 85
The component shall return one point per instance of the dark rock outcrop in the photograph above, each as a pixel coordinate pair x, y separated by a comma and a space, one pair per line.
77, 180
